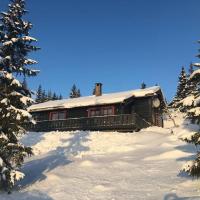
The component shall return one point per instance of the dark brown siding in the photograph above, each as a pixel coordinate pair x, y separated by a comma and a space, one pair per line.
75, 112
141, 106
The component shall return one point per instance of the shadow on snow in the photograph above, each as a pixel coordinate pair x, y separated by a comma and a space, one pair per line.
33, 195
173, 196
35, 169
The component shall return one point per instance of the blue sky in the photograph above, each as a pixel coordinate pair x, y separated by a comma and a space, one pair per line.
120, 43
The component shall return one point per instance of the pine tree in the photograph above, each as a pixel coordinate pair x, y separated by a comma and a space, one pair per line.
143, 85
60, 97
181, 92
191, 86
15, 46
39, 94
54, 97
78, 93
75, 93
49, 95
43, 97
191, 69
193, 113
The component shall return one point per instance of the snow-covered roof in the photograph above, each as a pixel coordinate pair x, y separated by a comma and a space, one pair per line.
94, 100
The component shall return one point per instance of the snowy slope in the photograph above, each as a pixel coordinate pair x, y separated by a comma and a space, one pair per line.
108, 166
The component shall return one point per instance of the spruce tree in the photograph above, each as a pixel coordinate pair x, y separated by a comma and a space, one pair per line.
54, 97
39, 94
181, 92
15, 46
78, 93
193, 113
75, 93
143, 85
49, 95
43, 97
191, 86
60, 97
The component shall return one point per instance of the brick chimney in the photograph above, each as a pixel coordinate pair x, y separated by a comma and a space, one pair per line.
98, 89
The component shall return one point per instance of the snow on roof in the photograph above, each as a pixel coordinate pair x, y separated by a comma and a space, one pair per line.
94, 100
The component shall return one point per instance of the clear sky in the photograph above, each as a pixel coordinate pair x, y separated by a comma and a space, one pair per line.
120, 43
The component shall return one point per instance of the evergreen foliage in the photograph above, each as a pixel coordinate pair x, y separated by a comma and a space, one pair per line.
49, 95
75, 93
54, 97
15, 46
39, 94
143, 85
42, 96
182, 89
60, 97
25, 84
193, 113
191, 87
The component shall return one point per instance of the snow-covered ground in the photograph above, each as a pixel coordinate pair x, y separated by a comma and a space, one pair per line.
108, 166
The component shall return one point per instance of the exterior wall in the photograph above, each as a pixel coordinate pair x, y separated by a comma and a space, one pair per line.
75, 112
141, 106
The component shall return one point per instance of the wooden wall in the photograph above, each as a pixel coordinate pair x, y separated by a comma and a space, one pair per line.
140, 106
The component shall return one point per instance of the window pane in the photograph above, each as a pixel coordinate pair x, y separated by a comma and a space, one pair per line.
54, 116
105, 112
92, 113
97, 113
62, 115
110, 111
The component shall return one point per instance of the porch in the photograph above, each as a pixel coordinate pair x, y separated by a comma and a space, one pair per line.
124, 122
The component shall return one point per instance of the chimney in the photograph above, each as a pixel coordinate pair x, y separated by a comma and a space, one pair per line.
98, 89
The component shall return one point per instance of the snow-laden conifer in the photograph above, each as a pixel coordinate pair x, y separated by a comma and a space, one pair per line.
193, 103
15, 46
181, 92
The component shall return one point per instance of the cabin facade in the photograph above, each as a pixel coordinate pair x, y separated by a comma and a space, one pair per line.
124, 111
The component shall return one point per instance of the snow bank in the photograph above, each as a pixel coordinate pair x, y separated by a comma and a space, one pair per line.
108, 165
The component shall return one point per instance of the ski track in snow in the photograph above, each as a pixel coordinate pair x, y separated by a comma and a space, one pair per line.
107, 166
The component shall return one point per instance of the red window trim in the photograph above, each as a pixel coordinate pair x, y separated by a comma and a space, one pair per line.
51, 114
101, 110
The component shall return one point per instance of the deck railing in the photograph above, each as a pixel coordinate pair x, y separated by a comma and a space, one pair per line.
114, 122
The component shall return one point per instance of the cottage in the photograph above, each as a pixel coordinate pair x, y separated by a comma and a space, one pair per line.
123, 111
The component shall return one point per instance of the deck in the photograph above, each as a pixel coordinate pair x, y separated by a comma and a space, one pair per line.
125, 122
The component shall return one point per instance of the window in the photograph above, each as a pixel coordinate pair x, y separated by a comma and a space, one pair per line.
94, 112
108, 111
54, 116
62, 115
58, 115
101, 111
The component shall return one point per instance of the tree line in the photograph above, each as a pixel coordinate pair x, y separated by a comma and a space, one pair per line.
42, 95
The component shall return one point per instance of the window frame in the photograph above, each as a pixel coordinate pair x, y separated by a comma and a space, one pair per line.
57, 112
101, 109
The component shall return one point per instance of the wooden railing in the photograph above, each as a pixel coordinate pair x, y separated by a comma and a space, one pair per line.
115, 122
